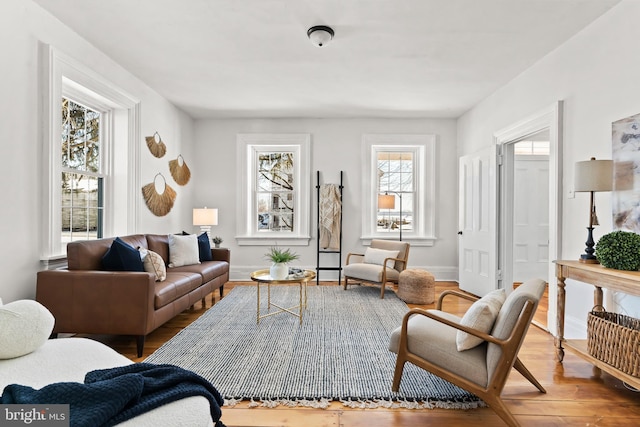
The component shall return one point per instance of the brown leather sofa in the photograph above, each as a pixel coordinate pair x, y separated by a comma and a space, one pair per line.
84, 299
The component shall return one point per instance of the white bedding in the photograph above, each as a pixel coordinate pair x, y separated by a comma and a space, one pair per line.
69, 359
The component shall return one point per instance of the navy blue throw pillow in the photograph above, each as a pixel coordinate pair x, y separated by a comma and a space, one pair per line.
122, 257
204, 247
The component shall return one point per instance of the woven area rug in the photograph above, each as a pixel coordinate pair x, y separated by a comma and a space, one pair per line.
339, 353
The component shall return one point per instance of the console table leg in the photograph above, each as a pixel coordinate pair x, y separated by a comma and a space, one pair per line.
560, 318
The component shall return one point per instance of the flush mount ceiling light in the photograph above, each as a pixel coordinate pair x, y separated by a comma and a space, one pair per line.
320, 35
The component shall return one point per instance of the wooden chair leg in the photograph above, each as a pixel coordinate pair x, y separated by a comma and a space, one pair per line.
382, 291
345, 283
519, 366
501, 409
397, 376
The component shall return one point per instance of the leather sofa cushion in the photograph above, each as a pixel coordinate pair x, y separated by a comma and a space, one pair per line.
87, 254
208, 270
176, 284
159, 243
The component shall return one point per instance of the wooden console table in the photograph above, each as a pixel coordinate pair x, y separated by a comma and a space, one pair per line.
600, 277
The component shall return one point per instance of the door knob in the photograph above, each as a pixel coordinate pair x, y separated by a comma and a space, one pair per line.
460, 233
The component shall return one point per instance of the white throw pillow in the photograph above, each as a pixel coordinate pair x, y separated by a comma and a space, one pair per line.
481, 316
183, 250
377, 256
153, 263
26, 325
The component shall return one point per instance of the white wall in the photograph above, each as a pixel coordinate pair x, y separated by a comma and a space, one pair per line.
596, 74
336, 145
23, 25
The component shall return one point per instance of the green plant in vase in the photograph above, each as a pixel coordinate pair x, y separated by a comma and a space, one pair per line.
279, 259
217, 240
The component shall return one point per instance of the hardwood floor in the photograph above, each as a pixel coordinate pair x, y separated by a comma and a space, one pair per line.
577, 393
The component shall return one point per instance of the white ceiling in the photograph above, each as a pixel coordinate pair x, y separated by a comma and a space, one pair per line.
389, 58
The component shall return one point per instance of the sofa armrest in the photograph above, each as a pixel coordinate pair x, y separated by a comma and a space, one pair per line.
98, 302
221, 254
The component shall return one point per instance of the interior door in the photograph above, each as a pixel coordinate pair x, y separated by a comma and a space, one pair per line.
531, 218
477, 245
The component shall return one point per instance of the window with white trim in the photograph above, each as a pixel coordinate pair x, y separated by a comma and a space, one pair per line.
83, 177
402, 167
274, 187
91, 176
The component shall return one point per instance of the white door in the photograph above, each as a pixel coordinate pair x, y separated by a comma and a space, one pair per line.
531, 218
477, 233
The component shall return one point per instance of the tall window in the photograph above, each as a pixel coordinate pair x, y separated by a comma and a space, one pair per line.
275, 196
274, 180
82, 187
396, 178
90, 161
403, 167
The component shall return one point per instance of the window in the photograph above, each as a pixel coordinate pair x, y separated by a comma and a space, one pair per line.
82, 186
91, 176
396, 179
275, 195
403, 167
274, 184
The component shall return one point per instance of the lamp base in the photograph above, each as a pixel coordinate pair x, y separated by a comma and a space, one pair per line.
589, 257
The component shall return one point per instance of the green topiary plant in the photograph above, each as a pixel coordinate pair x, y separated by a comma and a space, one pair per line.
619, 250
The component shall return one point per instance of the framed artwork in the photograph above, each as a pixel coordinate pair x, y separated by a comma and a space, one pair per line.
626, 167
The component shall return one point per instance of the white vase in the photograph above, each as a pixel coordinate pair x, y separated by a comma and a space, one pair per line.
279, 271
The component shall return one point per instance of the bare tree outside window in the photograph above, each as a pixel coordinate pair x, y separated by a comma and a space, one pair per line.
275, 197
81, 180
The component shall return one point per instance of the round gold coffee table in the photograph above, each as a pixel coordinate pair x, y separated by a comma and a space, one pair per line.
263, 277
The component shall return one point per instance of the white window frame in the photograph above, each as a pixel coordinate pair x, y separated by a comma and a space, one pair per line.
62, 75
248, 146
423, 146
106, 124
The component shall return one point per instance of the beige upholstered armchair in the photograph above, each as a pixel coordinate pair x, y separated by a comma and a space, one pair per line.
475, 352
382, 262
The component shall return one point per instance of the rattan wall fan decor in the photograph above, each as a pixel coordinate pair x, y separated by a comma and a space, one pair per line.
179, 170
156, 146
159, 204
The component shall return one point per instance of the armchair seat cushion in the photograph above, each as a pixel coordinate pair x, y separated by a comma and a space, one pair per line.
370, 272
435, 342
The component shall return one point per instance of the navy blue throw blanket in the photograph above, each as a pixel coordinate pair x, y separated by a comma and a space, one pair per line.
111, 396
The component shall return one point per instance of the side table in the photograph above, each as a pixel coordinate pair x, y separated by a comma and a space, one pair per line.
263, 277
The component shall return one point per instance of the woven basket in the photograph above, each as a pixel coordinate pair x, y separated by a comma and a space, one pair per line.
614, 339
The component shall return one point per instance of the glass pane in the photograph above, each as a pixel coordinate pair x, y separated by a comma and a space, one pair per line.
80, 135
275, 196
66, 189
396, 178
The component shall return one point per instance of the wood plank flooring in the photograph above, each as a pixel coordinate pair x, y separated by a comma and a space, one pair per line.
577, 393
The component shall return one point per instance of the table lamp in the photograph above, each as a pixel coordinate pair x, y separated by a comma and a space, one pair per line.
205, 218
592, 176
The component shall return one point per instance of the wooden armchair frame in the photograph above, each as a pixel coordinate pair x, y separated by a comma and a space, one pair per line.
508, 358
384, 279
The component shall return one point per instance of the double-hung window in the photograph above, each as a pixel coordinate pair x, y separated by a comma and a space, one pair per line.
82, 180
90, 166
274, 187
399, 179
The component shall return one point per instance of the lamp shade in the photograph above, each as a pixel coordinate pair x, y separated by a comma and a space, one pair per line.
204, 216
593, 175
386, 201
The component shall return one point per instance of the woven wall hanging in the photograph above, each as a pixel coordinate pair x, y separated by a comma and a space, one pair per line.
159, 204
179, 170
155, 144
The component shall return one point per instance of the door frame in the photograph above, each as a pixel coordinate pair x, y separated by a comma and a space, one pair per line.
549, 118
